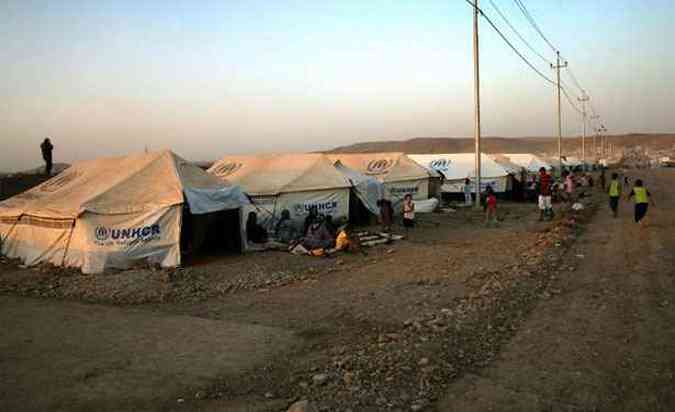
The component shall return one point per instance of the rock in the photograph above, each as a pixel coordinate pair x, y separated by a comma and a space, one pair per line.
320, 378
180, 400
423, 362
269, 395
416, 407
302, 406
199, 395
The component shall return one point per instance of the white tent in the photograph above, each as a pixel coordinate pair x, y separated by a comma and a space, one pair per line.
456, 167
368, 189
530, 162
399, 174
296, 182
113, 212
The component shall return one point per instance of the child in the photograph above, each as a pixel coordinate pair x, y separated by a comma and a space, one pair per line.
545, 205
467, 192
408, 211
614, 193
491, 206
642, 200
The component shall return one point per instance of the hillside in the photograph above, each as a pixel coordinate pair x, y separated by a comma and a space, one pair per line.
571, 145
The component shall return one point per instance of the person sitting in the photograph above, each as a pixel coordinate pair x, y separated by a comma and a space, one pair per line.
330, 226
285, 231
311, 217
254, 232
317, 236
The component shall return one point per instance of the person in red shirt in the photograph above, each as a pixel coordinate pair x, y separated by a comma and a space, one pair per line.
545, 205
491, 206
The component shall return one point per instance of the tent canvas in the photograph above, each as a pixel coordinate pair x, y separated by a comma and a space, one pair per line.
456, 167
111, 212
398, 173
531, 162
367, 188
295, 182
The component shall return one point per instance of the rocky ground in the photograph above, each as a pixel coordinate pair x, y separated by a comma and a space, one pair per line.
390, 330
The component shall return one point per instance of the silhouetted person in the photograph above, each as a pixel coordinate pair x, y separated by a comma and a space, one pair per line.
47, 149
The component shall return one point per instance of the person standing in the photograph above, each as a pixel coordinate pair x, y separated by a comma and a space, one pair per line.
642, 200
614, 193
408, 211
386, 214
602, 177
545, 204
491, 206
467, 192
46, 147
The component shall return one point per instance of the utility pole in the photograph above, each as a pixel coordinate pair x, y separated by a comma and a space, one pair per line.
595, 136
557, 68
583, 99
476, 84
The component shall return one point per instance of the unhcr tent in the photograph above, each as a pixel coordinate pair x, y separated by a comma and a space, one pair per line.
456, 167
113, 212
367, 190
296, 182
398, 174
530, 162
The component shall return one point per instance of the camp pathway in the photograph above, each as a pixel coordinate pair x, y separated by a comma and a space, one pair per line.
607, 341
70, 356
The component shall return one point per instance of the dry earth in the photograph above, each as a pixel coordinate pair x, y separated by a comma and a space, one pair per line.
457, 317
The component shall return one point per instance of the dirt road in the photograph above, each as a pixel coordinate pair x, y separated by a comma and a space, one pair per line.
70, 356
607, 342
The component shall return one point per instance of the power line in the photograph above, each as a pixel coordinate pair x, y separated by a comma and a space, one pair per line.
542, 75
534, 24
515, 50
569, 99
574, 79
518, 34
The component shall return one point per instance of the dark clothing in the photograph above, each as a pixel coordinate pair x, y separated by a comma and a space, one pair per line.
545, 184
46, 147
408, 222
308, 222
286, 231
614, 203
317, 238
640, 211
255, 233
386, 212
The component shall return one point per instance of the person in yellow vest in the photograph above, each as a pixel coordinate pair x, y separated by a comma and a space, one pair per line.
642, 200
614, 193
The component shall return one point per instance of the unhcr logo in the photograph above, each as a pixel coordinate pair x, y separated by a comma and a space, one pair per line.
321, 207
440, 164
380, 166
144, 233
227, 169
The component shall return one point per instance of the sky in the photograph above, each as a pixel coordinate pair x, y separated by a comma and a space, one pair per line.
209, 78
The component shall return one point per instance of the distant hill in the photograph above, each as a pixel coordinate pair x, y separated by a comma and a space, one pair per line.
545, 145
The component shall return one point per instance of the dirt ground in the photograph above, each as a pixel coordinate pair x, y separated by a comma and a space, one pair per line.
574, 314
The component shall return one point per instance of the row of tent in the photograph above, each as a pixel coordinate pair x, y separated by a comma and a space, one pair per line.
155, 207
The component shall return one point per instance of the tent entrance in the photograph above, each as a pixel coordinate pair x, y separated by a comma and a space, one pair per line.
210, 235
359, 214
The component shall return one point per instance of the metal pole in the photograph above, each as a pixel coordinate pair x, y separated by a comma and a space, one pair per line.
583, 99
557, 68
476, 81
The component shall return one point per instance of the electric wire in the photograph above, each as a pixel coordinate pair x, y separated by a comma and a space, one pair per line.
534, 24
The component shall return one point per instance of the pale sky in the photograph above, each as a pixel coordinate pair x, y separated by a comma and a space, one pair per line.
208, 78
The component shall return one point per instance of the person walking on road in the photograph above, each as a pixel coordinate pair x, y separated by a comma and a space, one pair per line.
545, 204
614, 193
642, 200
46, 147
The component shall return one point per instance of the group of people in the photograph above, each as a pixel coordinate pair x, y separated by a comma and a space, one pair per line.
568, 188
319, 232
